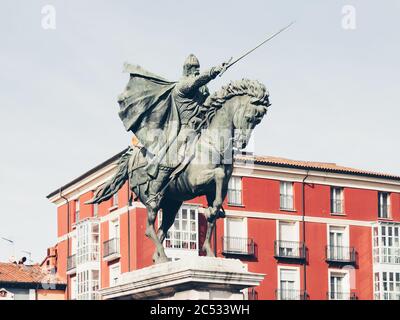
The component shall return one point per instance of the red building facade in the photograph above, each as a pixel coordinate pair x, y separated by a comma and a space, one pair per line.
317, 230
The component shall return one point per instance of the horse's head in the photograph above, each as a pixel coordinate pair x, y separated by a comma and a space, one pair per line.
247, 102
250, 108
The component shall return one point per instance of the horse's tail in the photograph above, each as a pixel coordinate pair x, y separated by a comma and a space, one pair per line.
112, 186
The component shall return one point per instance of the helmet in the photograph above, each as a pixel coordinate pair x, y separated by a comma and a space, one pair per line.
191, 61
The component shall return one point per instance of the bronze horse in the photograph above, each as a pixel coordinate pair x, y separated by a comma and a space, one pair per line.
233, 112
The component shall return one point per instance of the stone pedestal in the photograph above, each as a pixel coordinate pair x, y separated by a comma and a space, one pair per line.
194, 278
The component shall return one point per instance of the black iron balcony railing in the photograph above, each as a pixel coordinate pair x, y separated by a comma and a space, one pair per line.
333, 295
284, 294
253, 294
290, 249
340, 254
71, 262
286, 202
235, 245
111, 247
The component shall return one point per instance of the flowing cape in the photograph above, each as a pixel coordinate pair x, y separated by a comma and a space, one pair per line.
148, 109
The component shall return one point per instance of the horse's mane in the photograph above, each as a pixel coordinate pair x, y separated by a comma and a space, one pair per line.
252, 88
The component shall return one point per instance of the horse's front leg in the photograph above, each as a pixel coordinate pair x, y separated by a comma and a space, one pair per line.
207, 241
221, 185
159, 256
214, 211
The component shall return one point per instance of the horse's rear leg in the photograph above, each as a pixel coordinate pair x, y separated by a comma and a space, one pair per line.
169, 211
159, 256
207, 241
152, 198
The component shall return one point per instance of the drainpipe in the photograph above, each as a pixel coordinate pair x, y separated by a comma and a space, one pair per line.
304, 232
215, 238
68, 213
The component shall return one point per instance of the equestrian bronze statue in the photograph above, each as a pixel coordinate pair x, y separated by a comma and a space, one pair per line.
187, 139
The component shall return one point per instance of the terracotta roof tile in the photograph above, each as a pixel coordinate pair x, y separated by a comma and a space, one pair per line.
312, 165
10, 272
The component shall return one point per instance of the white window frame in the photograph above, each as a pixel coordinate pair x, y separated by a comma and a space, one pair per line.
112, 226
74, 245
297, 227
73, 285
87, 285
297, 281
111, 247
178, 253
88, 241
345, 228
388, 205
296, 247
244, 221
346, 290
346, 235
383, 253
77, 211
392, 293
235, 191
112, 279
286, 195
245, 234
115, 201
334, 199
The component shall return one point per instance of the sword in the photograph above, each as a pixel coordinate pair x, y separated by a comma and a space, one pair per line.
230, 64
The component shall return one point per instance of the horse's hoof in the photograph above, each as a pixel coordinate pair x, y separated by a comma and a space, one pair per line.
209, 252
161, 260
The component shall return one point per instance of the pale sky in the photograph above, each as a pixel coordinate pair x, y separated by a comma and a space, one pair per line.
334, 91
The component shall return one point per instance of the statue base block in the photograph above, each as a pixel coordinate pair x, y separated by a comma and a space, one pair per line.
194, 278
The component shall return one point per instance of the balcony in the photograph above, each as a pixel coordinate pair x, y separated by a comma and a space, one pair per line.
238, 246
339, 254
283, 294
341, 295
71, 264
387, 255
290, 250
111, 249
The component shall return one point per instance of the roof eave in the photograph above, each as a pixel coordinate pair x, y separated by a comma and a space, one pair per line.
363, 174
